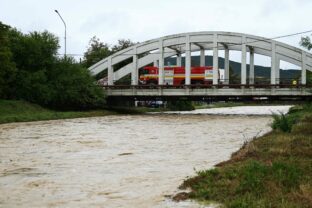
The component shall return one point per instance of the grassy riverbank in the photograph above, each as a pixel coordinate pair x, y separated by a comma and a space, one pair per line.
20, 111
274, 170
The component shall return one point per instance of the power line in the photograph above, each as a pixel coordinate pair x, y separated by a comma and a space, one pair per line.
70, 54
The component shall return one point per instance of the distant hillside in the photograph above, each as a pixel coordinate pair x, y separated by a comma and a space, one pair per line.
260, 71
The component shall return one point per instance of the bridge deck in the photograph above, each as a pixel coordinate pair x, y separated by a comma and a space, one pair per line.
210, 90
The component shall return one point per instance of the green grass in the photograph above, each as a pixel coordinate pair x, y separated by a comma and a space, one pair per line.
20, 111
274, 170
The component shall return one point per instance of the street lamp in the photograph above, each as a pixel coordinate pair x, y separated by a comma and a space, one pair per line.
65, 29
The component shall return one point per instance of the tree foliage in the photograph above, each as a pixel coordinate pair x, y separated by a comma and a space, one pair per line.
34, 51
77, 87
40, 76
306, 43
7, 67
181, 104
122, 44
96, 51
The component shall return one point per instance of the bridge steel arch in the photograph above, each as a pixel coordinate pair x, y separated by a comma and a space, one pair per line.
156, 50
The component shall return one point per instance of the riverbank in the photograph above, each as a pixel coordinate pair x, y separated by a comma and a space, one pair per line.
23, 111
274, 170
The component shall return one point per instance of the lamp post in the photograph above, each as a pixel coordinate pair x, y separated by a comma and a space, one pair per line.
65, 30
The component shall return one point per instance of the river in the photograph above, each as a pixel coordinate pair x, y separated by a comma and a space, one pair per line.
120, 160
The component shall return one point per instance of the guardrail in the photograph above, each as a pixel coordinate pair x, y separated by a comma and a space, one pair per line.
205, 86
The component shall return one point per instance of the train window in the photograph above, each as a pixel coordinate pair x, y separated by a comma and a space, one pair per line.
145, 71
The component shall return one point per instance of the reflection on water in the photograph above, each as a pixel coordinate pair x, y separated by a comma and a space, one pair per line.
114, 161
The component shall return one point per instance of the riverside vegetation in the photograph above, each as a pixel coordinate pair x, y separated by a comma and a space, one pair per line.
274, 170
21, 111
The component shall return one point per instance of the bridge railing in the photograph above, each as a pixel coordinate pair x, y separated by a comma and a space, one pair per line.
205, 86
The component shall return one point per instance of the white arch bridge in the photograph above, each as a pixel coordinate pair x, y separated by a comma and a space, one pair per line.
155, 51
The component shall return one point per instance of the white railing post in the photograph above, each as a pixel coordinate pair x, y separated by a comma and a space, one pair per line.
110, 71
273, 64
243, 64
187, 61
215, 60
134, 72
161, 63
304, 68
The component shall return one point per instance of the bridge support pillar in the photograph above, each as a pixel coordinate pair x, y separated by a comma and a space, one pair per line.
161, 63
202, 57
304, 68
134, 72
243, 64
179, 59
110, 72
188, 61
273, 64
215, 76
227, 65
251, 66
277, 71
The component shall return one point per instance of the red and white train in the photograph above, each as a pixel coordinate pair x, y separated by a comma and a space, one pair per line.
176, 75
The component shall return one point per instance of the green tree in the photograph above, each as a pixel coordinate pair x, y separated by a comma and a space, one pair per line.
96, 51
72, 87
306, 43
43, 78
181, 104
33, 54
122, 44
34, 51
7, 67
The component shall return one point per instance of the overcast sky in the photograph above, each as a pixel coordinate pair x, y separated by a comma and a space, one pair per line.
141, 20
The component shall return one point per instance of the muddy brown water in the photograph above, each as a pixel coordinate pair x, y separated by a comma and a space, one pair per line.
114, 161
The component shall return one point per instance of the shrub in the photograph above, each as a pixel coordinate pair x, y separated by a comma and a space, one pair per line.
283, 122
180, 105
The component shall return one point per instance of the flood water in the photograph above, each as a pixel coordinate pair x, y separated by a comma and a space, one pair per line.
115, 161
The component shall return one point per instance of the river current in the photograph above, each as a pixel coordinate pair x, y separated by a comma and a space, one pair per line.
118, 161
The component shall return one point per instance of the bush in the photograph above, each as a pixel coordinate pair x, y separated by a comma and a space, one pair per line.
180, 105
40, 77
283, 122
72, 87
